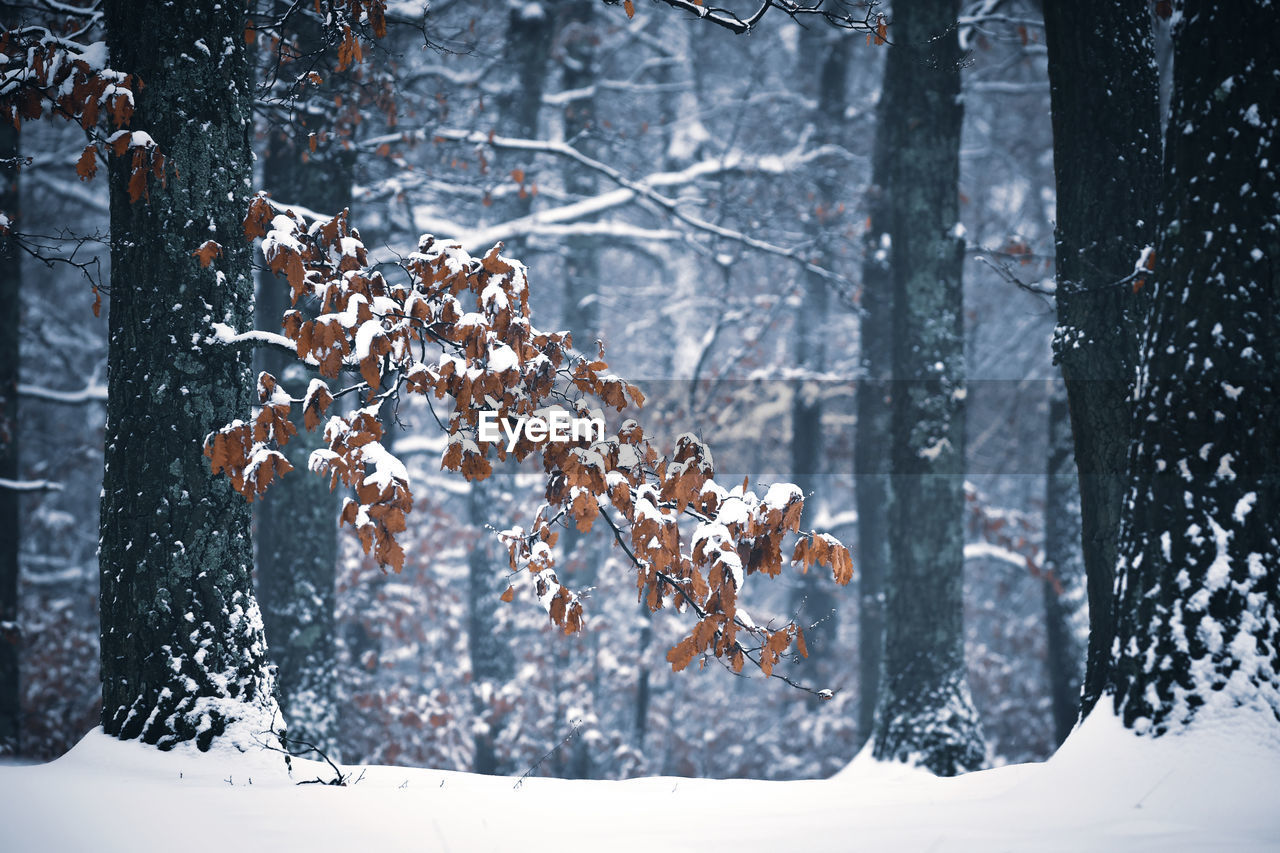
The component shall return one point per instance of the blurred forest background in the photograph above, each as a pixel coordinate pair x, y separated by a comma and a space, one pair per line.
700, 203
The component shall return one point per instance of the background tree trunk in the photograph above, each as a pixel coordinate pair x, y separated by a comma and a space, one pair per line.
925, 714
1198, 576
1101, 65
297, 529
582, 274
529, 31
874, 428
10, 321
1063, 569
182, 642
816, 593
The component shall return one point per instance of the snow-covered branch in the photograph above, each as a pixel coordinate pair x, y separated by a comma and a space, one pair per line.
224, 334
30, 485
739, 24
630, 190
91, 393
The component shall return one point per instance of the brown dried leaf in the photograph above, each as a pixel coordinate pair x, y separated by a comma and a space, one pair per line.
208, 250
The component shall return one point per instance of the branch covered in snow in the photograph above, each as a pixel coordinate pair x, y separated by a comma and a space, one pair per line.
630, 190
30, 485
91, 393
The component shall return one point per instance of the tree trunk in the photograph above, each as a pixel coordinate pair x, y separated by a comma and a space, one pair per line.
297, 529
578, 40
10, 319
1063, 571
528, 44
182, 641
817, 603
1101, 67
491, 662
1197, 581
582, 273
926, 715
874, 428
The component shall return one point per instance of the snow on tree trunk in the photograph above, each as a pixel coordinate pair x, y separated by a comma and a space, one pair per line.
297, 527
1101, 66
925, 715
1196, 587
183, 656
874, 428
11, 299
1063, 596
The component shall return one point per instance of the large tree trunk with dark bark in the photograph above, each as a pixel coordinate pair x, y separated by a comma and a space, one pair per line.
1198, 578
183, 656
925, 715
11, 299
1106, 140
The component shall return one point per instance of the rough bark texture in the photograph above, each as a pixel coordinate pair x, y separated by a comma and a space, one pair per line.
926, 715
1064, 571
11, 300
874, 429
1106, 133
1198, 576
816, 607
297, 530
183, 655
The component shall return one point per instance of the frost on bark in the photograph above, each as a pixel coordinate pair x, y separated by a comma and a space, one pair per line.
11, 299
297, 526
1062, 585
1104, 92
1196, 586
183, 656
925, 715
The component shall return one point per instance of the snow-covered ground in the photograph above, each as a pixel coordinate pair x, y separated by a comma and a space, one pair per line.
1216, 788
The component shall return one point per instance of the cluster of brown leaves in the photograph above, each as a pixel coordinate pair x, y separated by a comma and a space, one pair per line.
43, 73
472, 316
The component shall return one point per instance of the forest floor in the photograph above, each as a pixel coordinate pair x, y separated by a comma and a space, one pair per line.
1215, 788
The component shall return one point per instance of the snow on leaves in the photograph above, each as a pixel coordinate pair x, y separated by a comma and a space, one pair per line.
458, 328
41, 72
